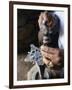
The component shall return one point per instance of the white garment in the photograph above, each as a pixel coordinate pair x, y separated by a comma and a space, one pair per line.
60, 15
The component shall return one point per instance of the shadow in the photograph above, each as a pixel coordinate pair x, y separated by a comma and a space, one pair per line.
7, 86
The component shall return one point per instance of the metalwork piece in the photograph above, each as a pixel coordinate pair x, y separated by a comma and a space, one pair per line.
35, 57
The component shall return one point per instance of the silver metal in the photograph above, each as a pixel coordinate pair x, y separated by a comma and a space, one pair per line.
35, 56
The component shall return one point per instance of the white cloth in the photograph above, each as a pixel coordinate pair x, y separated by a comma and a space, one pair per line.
60, 15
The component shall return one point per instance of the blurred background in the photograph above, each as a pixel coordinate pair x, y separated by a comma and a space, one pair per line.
27, 30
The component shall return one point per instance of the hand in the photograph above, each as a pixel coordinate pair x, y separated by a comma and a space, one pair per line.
53, 55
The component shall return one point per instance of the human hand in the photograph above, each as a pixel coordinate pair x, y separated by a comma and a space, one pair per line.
52, 55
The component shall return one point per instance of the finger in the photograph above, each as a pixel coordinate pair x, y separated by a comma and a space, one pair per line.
46, 61
50, 50
56, 61
44, 48
47, 55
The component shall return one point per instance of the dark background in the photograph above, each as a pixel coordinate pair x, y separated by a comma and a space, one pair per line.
27, 30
